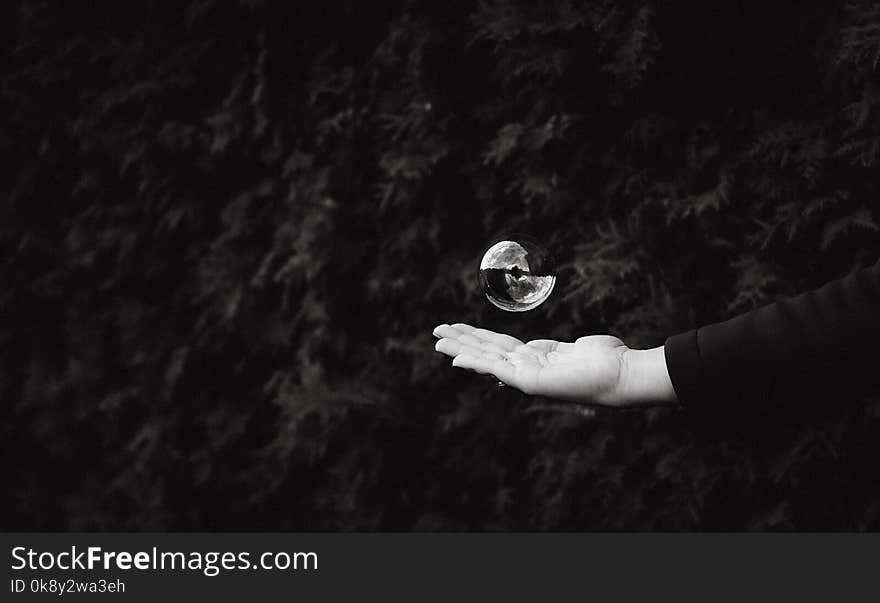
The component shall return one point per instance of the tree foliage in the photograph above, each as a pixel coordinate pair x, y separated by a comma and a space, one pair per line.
229, 228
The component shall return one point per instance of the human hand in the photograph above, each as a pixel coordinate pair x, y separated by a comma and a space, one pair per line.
598, 369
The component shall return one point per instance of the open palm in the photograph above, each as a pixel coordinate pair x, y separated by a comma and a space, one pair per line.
589, 370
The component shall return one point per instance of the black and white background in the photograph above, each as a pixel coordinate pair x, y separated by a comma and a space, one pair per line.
227, 230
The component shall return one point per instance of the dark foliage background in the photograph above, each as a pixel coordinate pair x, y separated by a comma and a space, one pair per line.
228, 229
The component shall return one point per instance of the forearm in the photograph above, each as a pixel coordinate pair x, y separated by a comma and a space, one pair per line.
780, 348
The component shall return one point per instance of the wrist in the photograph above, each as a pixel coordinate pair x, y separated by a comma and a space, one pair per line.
645, 378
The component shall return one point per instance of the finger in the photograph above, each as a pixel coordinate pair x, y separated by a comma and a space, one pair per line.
500, 339
436, 331
504, 371
470, 340
469, 351
447, 331
484, 334
451, 347
499, 368
483, 338
464, 328
491, 347
483, 344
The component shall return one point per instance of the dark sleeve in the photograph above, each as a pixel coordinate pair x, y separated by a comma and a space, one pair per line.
826, 335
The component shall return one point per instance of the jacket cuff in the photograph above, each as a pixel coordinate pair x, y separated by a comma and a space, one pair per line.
685, 367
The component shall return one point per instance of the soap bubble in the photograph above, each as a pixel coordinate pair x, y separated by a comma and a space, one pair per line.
517, 274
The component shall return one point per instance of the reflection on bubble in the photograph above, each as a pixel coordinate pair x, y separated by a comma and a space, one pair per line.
517, 274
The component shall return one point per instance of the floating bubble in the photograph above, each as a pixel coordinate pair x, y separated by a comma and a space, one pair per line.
517, 274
